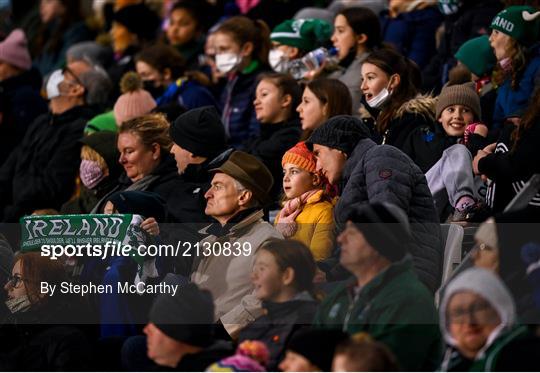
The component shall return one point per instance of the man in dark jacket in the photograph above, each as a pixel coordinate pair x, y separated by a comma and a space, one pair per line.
370, 173
199, 145
199, 142
41, 172
180, 332
385, 298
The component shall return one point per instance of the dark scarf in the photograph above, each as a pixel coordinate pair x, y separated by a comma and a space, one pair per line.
219, 230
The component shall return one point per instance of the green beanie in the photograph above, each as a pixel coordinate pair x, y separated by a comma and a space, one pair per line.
519, 22
101, 122
305, 34
477, 55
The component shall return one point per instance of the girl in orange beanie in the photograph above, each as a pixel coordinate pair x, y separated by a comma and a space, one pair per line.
307, 214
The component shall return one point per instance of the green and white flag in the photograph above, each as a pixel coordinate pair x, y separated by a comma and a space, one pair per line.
97, 229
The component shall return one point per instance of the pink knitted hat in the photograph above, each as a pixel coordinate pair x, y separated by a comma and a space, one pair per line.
14, 50
134, 102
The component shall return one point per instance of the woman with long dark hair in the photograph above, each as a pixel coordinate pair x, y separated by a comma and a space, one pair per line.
357, 33
390, 88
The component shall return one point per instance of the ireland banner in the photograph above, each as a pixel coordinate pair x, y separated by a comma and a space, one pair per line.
39, 231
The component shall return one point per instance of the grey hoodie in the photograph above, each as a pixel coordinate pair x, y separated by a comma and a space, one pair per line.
490, 287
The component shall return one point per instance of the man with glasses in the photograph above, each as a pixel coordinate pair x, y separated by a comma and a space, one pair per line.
384, 298
40, 173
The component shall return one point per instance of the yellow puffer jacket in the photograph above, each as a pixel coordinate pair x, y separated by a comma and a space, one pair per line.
316, 226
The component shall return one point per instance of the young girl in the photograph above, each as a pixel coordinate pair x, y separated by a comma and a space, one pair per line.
475, 63
307, 214
443, 150
357, 32
128, 37
321, 100
511, 162
283, 279
241, 47
515, 31
185, 29
276, 97
389, 87
163, 71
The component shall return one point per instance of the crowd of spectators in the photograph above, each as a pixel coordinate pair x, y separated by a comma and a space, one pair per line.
336, 140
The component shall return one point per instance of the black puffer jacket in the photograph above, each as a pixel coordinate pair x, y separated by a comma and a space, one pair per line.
382, 173
418, 112
426, 144
279, 323
41, 172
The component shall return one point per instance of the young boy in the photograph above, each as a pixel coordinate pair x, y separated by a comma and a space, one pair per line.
444, 150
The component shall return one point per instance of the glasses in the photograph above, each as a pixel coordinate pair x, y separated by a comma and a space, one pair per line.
77, 80
15, 281
476, 311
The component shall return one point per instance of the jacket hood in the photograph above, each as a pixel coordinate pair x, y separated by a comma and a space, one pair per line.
421, 105
488, 285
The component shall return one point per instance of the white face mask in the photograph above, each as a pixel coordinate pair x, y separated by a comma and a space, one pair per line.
379, 99
278, 61
19, 304
226, 62
55, 79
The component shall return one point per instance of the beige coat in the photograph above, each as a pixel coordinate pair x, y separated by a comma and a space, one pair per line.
227, 277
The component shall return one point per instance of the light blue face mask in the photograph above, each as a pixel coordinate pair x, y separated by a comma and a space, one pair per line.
449, 7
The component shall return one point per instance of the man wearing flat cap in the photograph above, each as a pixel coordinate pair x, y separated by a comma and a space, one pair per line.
240, 188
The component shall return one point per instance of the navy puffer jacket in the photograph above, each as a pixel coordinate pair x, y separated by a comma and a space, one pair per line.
383, 173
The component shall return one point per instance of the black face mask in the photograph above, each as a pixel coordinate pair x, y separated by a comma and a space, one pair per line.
156, 92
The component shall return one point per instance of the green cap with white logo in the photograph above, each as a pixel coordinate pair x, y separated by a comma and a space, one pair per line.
305, 34
519, 22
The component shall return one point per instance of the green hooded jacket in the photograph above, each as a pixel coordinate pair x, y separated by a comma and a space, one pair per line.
395, 308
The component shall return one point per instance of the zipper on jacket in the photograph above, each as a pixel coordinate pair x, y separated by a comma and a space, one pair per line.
352, 301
